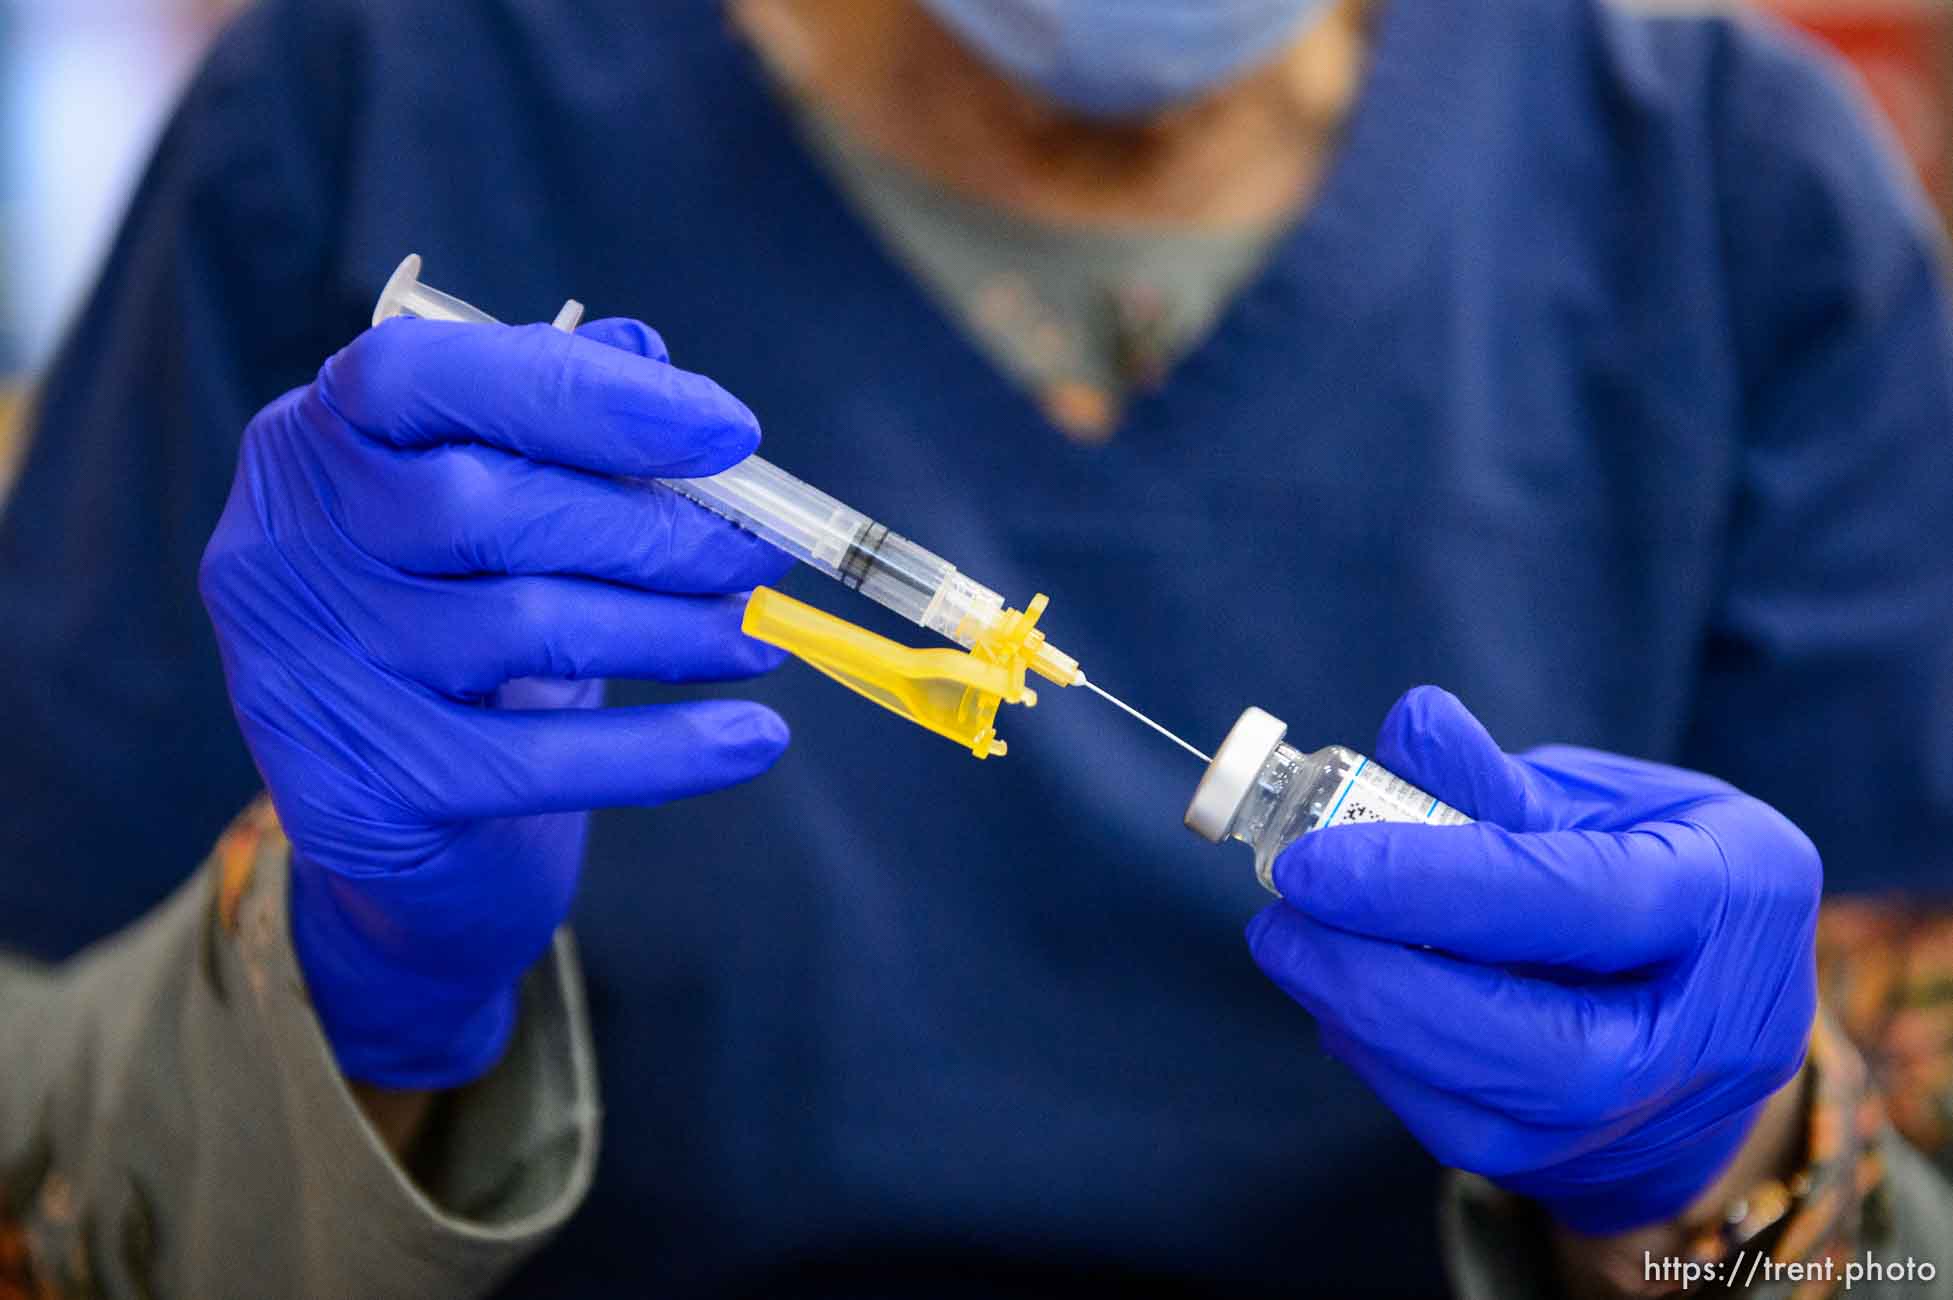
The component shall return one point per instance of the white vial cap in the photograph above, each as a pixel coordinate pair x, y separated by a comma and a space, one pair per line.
1232, 774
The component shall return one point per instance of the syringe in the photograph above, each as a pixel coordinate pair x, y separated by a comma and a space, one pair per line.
801, 520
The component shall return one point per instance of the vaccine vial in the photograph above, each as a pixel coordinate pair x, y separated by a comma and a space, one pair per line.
1269, 795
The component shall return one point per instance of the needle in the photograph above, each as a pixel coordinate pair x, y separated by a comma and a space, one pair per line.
1143, 718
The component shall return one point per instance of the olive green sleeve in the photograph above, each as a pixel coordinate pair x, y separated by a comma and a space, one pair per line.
172, 1122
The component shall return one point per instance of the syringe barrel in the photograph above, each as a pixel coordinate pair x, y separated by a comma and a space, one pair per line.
767, 501
803, 521
845, 544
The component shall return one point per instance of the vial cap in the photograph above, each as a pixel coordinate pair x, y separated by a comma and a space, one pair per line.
1232, 774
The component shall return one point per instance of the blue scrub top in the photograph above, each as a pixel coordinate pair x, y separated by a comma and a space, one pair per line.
1605, 383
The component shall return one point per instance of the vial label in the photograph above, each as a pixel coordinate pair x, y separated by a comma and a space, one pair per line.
1374, 794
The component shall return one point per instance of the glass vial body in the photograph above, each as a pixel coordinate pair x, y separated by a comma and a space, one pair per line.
1268, 794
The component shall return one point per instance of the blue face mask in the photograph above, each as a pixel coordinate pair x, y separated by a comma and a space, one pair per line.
1124, 58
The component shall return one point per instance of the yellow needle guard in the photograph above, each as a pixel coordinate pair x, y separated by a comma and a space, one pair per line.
952, 693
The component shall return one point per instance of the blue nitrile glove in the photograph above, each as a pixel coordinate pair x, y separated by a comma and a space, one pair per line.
1624, 968
422, 575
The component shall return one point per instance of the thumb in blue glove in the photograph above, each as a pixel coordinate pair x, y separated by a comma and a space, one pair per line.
1588, 995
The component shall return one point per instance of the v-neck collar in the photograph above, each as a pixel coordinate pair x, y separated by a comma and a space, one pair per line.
1349, 249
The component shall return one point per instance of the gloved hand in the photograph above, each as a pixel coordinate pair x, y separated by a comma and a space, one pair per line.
424, 571
1624, 968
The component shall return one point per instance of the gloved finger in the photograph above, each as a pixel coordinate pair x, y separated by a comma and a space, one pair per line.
1457, 1130
1431, 740
1590, 900
516, 764
1539, 1052
1594, 790
630, 335
537, 392
467, 637
470, 509
547, 693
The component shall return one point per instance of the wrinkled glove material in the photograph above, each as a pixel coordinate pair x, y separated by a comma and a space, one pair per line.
1588, 995
430, 559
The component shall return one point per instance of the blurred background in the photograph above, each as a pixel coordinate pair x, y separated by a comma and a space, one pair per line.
86, 84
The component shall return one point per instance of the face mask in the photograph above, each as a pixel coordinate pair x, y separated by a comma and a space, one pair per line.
1117, 59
